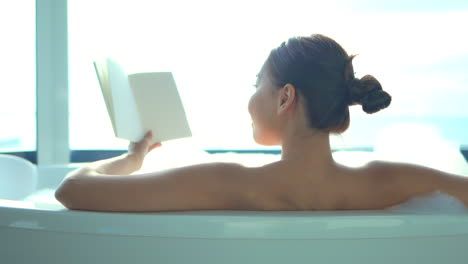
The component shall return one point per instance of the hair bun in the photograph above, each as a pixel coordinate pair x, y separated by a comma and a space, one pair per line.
368, 92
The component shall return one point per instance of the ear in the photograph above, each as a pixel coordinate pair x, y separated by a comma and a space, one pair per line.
286, 98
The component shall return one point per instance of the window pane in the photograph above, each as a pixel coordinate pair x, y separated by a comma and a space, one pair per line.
216, 48
18, 87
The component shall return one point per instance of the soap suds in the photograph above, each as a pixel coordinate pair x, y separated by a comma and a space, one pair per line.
435, 202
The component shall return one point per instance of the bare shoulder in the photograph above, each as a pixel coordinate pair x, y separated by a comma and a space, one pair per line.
221, 186
413, 171
408, 180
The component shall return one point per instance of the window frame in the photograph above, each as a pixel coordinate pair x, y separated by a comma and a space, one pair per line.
52, 86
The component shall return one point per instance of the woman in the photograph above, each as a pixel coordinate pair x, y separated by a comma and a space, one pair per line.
303, 93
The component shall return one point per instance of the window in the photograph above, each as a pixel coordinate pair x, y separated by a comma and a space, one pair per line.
215, 48
18, 81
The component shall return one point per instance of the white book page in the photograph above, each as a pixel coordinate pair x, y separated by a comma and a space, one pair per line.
159, 105
127, 121
100, 66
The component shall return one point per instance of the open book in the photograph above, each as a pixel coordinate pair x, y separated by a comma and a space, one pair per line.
140, 102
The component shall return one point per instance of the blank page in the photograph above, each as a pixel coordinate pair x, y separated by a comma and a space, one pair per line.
127, 120
159, 105
100, 66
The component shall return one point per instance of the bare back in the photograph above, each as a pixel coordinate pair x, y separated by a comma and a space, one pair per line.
292, 186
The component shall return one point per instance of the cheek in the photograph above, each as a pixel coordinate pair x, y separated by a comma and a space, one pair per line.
251, 106
263, 127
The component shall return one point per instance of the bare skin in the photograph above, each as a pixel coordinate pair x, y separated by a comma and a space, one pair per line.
307, 162
306, 177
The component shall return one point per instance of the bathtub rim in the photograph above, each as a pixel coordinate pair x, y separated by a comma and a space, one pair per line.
223, 224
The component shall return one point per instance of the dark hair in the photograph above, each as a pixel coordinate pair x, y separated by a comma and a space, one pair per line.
323, 75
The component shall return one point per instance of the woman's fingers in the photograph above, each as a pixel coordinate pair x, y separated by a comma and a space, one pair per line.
143, 146
148, 138
148, 135
155, 145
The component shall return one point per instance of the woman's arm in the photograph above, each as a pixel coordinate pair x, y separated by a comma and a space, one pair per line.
101, 186
409, 180
210, 186
124, 164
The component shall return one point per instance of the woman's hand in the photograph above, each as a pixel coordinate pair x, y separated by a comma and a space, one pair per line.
121, 165
138, 150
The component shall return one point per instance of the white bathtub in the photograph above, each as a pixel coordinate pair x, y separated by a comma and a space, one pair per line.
43, 231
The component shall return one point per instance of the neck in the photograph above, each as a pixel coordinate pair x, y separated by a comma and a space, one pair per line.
308, 145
